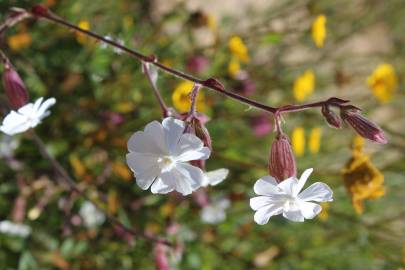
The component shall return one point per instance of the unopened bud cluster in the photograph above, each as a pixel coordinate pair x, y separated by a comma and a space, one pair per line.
353, 117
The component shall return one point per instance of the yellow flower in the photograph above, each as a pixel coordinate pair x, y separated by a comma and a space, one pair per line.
304, 85
324, 214
362, 179
81, 38
238, 48
19, 41
234, 67
181, 97
315, 140
298, 141
383, 82
319, 30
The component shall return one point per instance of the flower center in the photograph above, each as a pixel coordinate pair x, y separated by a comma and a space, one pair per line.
290, 204
166, 163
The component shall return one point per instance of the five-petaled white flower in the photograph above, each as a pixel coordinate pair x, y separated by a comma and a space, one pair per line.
213, 178
285, 198
214, 212
28, 116
159, 157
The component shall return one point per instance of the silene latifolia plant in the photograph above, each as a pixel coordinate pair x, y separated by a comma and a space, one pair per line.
169, 155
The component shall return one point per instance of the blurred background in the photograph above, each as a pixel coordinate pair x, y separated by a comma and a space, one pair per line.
277, 52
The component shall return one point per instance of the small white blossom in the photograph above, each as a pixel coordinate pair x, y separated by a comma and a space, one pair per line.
215, 177
28, 116
92, 217
8, 145
285, 198
214, 212
14, 229
104, 45
159, 157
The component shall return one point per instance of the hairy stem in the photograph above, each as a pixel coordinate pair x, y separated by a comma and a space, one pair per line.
210, 83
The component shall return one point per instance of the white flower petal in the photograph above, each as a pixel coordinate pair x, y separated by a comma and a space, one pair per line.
258, 202
145, 168
161, 187
150, 141
215, 177
194, 175
288, 186
14, 123
187, 142
201, 154
266, 185
309, 210
318, 192
41, 112
263, 215
301, 182
295, 215
37, 104
174, 128
181, 183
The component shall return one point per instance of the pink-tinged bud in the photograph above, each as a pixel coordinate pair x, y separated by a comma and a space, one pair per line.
331, 117
282, 161
15, 89
362, 125
162, 263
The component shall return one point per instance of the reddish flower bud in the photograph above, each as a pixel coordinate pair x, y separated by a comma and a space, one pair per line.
362, 125
15, 89
39, 10
196, 126
202, 132
161, 260
331, 117
282, 161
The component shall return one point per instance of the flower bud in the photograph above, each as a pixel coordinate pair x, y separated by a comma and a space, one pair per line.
202, 132
15, 89
162, 263
362, 125
282, 161
331, 117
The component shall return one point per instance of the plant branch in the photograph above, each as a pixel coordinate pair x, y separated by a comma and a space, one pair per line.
156, 92
73, 187
210, 83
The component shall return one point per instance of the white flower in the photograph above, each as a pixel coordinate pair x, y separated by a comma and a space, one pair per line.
215, 177
159, 157
214, 212
14, 229
28, 116
7, 146
92, 217
285, 198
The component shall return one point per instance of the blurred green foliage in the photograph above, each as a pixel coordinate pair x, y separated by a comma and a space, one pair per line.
90, 82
